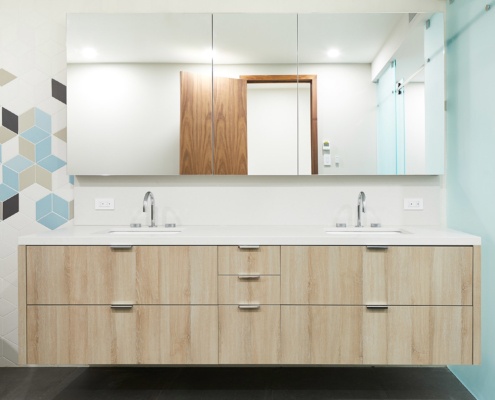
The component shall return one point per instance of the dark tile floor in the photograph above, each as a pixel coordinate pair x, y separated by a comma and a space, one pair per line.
219, 383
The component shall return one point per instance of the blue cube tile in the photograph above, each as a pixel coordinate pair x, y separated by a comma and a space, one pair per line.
43, 149
51, 163
18, 173
60, 207
6, 192
71, 179
43, 120
52, 211
18, 163
52, 221
44, 207
35, 134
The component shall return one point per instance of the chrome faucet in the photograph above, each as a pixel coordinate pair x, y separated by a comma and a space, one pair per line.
147, 197
360, 208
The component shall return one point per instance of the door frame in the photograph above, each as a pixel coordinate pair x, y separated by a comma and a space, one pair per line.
311, 79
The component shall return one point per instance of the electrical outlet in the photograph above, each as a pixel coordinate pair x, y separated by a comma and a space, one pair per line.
413, 204
104, 204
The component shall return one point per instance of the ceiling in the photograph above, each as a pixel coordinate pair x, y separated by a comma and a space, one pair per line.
237, 38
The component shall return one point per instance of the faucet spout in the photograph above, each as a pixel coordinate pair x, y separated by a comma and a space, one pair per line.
149, 198
361, 209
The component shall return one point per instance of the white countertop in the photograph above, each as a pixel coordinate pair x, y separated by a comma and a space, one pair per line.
254, 235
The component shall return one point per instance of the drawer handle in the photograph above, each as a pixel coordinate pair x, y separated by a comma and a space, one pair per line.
249, 247
377, 247
121, 246
377, 307
249, 306
122, 306
249, 276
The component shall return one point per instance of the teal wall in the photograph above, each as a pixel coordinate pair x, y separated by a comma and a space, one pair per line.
471, 159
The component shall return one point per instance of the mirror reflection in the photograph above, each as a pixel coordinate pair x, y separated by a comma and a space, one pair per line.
327, 94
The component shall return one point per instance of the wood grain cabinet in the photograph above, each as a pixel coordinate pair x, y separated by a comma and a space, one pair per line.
104, 305
293, 305
380, 305
249, 304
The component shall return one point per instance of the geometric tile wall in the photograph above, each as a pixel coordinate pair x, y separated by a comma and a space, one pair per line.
36, 194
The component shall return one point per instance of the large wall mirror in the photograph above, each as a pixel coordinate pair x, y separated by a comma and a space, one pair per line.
255, 94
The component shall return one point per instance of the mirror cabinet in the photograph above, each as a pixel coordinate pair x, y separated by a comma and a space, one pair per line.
255, 94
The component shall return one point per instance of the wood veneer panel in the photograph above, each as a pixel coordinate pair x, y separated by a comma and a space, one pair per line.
322, 275
264, 260
22, 304
80, 275
176, 274
477, 305
196, 150
423, 275
418, 335
322, 335
249, 336
230, 126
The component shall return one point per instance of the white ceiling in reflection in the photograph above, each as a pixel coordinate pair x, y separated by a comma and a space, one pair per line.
237, 38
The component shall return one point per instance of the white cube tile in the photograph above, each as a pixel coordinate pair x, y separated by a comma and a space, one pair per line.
10, 351
66, 192
18, 220
10, 322
43, 62
6, 250
17, 48
9, 92
59, 66
51, 105
59, 148
13, 337
25, 99
8, 234
27, 207
6, 363
35, 192
43, 90
51, 48
12, 279
26, 63
59, 120
61, 75
6, 308
8, 265
34, 77
33, 228
10, 149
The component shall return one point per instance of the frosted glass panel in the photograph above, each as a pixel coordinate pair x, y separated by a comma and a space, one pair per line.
434, 94
387, 123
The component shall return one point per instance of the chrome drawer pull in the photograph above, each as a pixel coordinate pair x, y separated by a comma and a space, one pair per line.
377, 247
121, 246
377, 307
122, 306
249, 276
249, 247
249, 306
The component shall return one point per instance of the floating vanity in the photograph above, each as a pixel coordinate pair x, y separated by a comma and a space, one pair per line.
249, 295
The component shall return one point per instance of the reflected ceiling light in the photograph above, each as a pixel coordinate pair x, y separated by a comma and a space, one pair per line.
333, 53
89, 52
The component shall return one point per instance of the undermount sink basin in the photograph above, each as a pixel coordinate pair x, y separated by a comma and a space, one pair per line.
144, 231
365, 231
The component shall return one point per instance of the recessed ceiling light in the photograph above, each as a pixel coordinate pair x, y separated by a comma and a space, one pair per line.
89, 52
333, 53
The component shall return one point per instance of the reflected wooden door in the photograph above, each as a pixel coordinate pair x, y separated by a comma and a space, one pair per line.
196, 153
230, 126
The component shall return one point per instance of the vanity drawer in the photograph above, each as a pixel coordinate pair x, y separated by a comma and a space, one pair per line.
134, 335
135, 275
234, 260
418, 275
249, 289
249, 336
